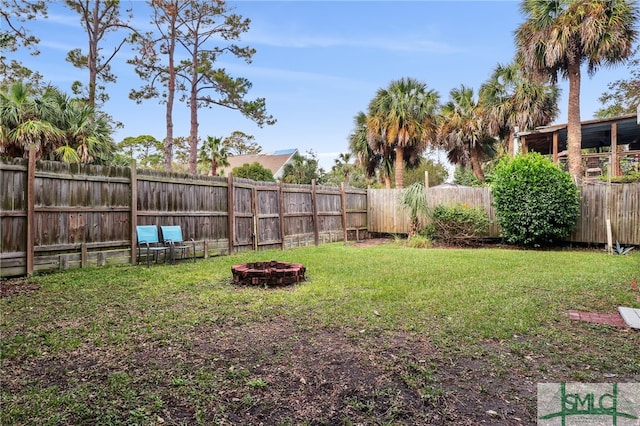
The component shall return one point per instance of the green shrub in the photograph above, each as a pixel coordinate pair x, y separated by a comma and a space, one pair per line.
464, 176
630, 178
414, 201
536, 202
458, 224
255, 171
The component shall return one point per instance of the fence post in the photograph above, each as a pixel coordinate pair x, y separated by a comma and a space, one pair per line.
83, 255
230, 209
134, 211
31, 201
254, 213
281, 218
615, 160
343, 199
314, 212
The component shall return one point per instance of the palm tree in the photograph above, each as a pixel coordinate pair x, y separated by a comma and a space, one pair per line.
463, 131
303, 169
402, 119
369, 159
87, 131
558, 36
414, 201
26, 122
215, 152
344, 166
512, 100
358, 144
59, 127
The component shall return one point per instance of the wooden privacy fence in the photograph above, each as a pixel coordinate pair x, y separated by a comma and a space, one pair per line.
58, 216
618, 202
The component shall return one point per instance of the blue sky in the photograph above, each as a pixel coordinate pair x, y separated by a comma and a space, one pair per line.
318, 64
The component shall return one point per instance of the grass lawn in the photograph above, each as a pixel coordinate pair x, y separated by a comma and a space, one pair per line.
377, 335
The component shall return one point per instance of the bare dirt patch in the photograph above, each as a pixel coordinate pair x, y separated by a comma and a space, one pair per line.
372, 242
277, 373
16, 287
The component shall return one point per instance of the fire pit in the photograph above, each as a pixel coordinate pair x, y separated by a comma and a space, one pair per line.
268, 273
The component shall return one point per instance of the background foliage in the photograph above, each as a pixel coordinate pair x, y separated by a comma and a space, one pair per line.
253, 171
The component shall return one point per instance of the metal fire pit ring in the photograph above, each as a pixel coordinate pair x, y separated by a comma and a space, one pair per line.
271, 273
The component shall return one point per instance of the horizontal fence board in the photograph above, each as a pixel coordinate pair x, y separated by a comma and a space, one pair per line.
300, 240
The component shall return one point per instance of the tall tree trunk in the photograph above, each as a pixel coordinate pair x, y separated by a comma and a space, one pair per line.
193, 133
574, 131
168, 142
193, 107
399, 167
93, 54
476, 166
511, 149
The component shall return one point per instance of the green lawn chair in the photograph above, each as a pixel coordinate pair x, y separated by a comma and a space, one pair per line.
172, 236
148, 240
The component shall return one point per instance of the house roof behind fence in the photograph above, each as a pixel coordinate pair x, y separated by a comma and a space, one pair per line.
274, 161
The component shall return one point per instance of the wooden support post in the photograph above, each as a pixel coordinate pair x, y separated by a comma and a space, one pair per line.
63, 262
615, 160
281, 213
205, 249
523, 145
254, 213
31, 199
134, 211
343, 198
555, 147
314, 207
83, 255
230, 209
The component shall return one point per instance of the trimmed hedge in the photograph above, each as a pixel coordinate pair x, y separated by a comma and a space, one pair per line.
536, 202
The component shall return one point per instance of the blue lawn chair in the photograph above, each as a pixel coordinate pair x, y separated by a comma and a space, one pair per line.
148, 240
172, 237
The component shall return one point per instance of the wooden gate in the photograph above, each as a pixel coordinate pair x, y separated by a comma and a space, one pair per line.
257, 216
242, 219
268, 217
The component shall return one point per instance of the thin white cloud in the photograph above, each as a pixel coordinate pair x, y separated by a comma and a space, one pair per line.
57, 46
252, 71
69, 20
298, 41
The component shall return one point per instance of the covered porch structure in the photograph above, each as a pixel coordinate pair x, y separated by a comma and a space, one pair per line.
609, 145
